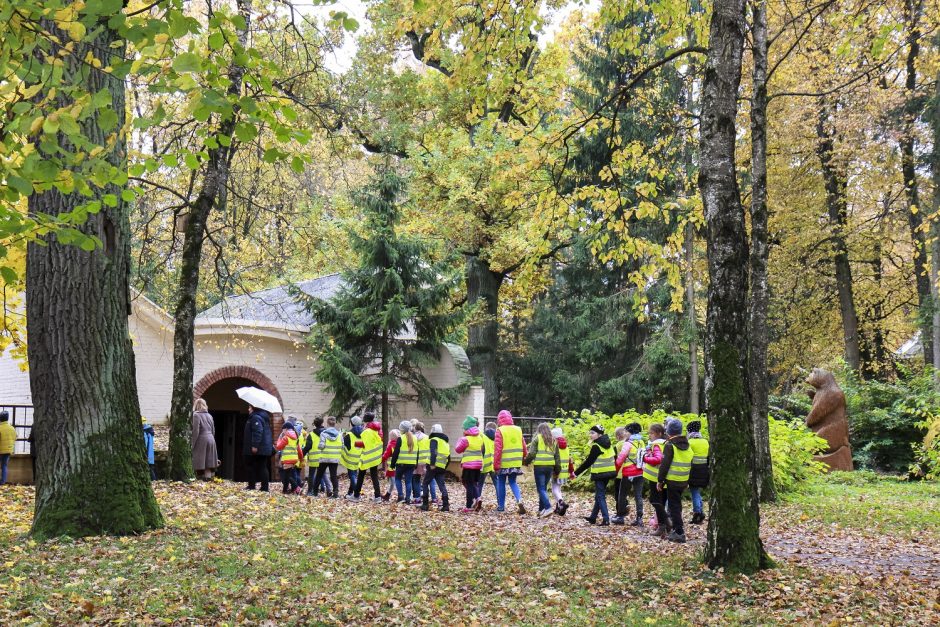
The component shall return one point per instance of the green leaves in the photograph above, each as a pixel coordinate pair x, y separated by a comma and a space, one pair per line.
187, 62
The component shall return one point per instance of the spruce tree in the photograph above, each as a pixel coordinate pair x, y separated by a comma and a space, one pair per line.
391, 318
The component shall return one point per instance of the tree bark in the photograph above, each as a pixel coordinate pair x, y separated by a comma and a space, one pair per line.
91, 469
915, 220
734, 541
483, 292
693, 323
760, 251
834, 178
211, 194
935, 229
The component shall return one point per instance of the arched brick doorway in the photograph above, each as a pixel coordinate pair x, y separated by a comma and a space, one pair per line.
218, 388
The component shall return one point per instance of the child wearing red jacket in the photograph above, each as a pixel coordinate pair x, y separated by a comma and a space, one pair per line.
393, 436
567, 471
631, 476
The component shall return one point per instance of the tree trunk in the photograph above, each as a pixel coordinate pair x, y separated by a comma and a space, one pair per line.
760, 251
385, 405
734, 523
483, 290
693, 323
915, 220
215, 179
935, 229
835, 181
91, 470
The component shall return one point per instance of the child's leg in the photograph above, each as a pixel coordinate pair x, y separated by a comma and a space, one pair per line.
556, 490
501, 492
638, 496
516, 492
696, 500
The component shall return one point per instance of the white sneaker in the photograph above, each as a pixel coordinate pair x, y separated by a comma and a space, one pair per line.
545, 513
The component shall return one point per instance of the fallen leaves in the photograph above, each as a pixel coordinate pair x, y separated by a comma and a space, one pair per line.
267, 558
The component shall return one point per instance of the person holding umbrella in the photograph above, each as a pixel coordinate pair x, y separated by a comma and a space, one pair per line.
258, 445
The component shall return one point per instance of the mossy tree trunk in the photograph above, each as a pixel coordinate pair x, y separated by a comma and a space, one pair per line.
734, 542
211, 194
91, 468
760, 252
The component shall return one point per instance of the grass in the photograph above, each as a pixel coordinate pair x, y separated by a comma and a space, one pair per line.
227, 556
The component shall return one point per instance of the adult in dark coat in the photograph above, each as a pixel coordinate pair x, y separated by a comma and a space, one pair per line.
258, 448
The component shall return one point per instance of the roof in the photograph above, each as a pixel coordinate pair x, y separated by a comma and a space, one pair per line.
274, 305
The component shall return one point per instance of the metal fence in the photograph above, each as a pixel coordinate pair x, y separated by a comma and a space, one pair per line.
21, 417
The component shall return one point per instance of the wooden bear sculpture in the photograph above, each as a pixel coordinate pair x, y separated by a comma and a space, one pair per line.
828, 419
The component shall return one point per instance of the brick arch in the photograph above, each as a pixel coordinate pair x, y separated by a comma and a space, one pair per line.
237, 372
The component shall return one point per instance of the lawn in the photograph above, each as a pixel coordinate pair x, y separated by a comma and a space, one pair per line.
229, 556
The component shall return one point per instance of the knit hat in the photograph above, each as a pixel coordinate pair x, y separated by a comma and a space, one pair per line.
674, 427
558, 433
633, 428
355, 421
437, 429
695, 426
404, 426
369, 416
598, 429
469, 422
504, 414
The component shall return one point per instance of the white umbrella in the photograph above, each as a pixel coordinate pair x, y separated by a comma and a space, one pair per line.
260, 399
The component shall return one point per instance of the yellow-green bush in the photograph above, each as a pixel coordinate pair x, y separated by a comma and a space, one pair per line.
792, 444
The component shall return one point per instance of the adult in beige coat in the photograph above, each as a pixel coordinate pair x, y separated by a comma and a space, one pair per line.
205, 453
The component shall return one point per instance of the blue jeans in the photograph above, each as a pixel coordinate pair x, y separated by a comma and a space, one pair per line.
4, 460
353, 475
600, 500
501, 490
543, 476
404, 476
696, 500
482, 482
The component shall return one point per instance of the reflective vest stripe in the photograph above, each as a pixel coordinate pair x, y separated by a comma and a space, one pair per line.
511, 454
332, 451
372, 453
424, 450
564, 455
543, 455
350, 458
681, 465
289, 454
474, 450
489, 447
651, 471
605, 462
315, 454
443, 454
408, 455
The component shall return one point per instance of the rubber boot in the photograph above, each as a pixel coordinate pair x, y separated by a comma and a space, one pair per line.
425, 505
445, 504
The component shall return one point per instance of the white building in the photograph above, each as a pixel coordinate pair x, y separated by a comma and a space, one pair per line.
256, 339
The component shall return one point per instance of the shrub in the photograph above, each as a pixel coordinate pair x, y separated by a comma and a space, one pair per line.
792, 446
927, 453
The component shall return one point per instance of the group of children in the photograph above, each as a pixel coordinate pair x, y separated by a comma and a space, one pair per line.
415, 464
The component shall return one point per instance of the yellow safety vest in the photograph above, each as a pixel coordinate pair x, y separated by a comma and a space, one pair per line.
651, 471
408, 455
681, 465
372, 451
544, 456
350, 459
443, 453
635, 446
564, 455
332, 451
699, 447
511, 453
605, 462
313, 457
289, 453
489, 447
474, 450
424, 450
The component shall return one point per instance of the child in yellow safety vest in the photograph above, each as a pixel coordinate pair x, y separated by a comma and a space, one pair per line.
546, 463
699, 477
674, 475
601, 461
652, 457
567, 471
439, 456
289, 445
